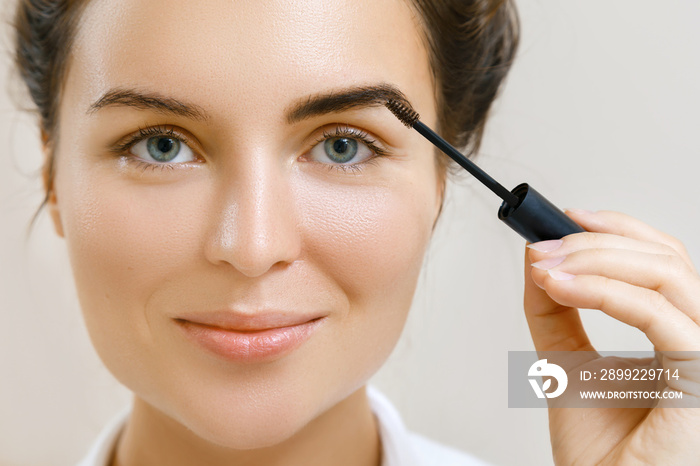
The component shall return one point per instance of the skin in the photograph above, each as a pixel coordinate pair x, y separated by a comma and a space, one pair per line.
256, 223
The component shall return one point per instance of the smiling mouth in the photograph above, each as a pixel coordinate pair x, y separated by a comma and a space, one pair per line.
249, 345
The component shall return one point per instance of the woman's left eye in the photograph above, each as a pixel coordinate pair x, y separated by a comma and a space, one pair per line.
341, 150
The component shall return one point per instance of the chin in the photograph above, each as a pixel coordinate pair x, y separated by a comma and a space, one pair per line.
245, 421
260, 430
261, 433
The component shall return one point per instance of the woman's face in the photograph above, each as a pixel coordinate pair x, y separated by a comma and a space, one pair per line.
234, 202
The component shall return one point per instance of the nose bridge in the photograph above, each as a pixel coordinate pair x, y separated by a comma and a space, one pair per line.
255, 225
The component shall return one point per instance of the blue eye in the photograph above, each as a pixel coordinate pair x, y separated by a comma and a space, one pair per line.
163, 149
341, 150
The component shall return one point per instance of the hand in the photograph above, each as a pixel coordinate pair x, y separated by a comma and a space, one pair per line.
644, 278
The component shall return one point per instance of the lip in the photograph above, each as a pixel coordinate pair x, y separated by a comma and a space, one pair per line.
247, 338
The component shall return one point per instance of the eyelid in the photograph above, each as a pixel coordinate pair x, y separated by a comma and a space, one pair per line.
335, 130
124, 145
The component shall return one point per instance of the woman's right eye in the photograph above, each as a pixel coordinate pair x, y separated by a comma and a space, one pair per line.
163, 149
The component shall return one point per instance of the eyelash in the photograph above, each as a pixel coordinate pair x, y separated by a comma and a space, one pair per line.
340, 131
124, 148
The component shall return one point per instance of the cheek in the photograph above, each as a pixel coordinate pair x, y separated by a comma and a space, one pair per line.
366, 238
124, 242
370, 241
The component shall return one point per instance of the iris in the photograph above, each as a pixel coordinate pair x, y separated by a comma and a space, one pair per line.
340, 150
163, 149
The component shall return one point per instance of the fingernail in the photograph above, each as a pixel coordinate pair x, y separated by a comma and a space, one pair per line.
546, 246
549, 263
580, 211
559, 275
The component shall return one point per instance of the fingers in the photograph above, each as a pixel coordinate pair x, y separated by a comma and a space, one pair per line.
649, 311
553, 327
627, 269
592, 240
668, 275
617, 223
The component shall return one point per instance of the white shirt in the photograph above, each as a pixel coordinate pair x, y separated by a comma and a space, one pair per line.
400, 447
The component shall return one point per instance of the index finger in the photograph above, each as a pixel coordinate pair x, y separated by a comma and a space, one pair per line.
617, 223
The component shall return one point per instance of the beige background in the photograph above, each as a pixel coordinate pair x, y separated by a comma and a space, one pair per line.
600, 112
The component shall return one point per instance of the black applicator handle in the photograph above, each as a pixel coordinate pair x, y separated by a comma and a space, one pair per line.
524, 210
535, 218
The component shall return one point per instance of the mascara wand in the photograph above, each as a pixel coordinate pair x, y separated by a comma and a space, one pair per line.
523, 209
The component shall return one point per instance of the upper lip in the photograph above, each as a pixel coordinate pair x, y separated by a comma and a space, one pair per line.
250, 322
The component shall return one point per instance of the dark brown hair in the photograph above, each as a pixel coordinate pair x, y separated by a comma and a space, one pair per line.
471, 44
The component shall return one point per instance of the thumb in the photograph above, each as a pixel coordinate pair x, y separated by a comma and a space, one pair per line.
553, 327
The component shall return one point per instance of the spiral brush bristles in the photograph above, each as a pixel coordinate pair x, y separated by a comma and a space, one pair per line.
407, 115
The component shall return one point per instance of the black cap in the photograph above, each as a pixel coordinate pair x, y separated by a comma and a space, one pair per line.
535, 218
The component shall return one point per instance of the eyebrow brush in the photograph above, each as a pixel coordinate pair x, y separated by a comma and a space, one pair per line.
523, 209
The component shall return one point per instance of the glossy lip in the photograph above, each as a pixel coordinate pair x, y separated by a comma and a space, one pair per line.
250, 321
247, 338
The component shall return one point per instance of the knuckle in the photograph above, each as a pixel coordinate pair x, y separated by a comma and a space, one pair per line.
675, 267
674, 245
657, 306
667, 249
656, 302
605, 288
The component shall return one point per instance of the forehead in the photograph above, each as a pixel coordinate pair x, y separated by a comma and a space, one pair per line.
251, 54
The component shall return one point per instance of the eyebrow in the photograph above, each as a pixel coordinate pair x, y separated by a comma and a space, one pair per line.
148, 101
334, 101
345, 99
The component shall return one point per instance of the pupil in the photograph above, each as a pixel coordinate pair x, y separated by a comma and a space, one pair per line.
340, 145
165, 144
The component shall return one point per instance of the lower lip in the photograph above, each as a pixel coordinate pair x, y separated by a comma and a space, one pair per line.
250, 347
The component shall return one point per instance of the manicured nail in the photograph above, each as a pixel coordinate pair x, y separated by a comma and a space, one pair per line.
580, 211
549, 263
559, 275
546, 246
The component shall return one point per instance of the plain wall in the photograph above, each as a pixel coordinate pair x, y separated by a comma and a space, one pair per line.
600, 112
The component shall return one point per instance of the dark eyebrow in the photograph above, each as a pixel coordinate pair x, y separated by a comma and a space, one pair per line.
315, 105
345, 99
148, 101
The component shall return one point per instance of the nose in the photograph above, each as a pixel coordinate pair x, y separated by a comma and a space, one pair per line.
254, 225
